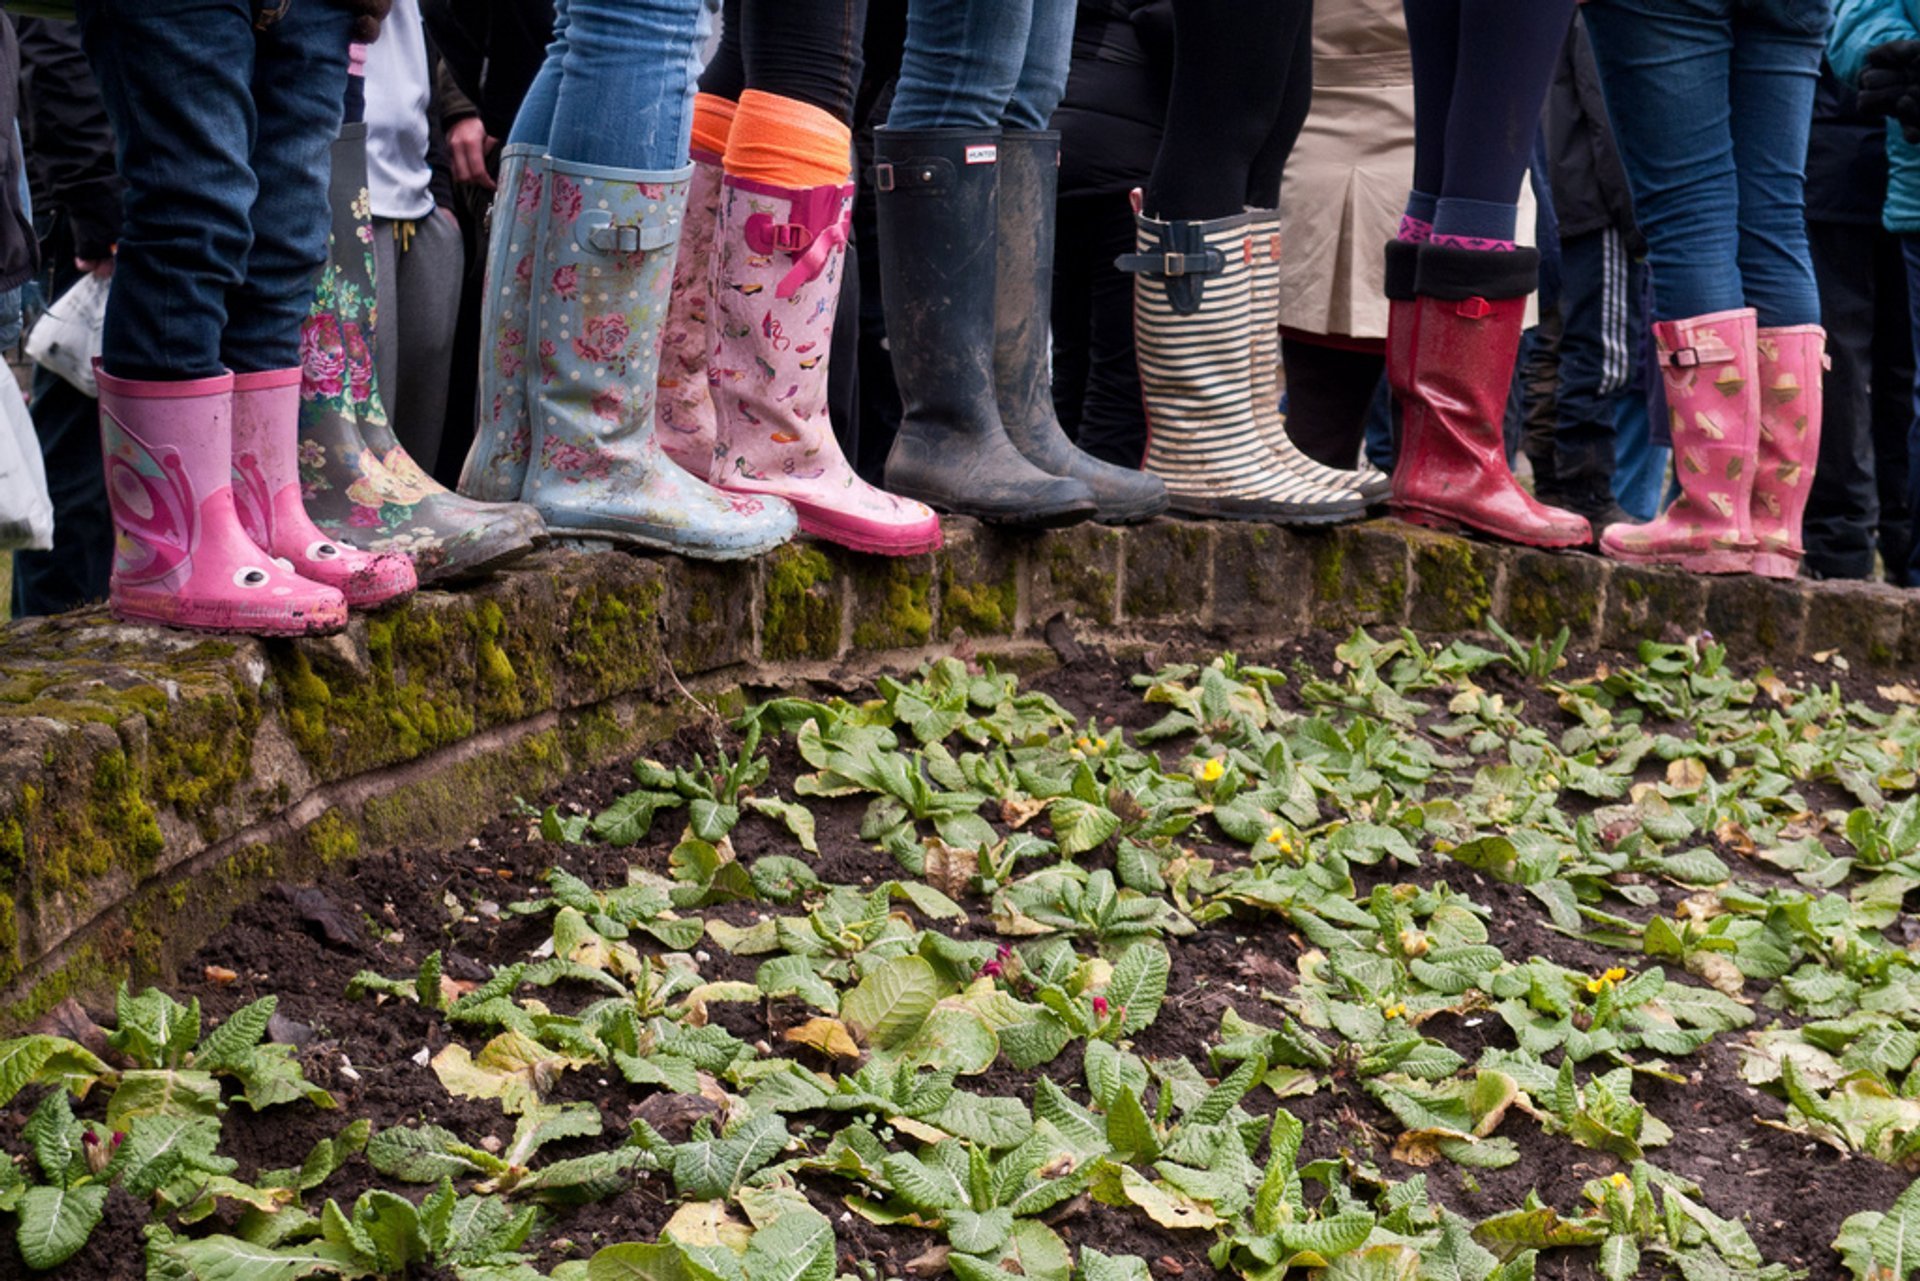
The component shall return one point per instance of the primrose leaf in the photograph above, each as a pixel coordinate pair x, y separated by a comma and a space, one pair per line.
427, 1155
225, 1258
891, 1003
1139, 985
55, 1222
31, 1060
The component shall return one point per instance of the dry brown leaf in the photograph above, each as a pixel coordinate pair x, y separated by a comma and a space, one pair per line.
220, 975
1719, 971
948, 868
1903, 694
829, 1036
1687, 773
1703, 906
1016, 814
930, 1262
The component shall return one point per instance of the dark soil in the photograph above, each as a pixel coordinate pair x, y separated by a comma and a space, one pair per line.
393, 910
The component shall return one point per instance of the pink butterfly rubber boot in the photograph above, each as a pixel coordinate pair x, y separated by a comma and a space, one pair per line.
685, 404
180, 556
776, 288
1792, 374
604, 275
496, 463
1714, 398
266, 491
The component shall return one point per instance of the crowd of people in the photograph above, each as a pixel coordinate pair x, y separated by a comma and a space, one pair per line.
401, 289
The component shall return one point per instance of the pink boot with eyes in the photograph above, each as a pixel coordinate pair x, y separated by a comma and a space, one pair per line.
1792, 370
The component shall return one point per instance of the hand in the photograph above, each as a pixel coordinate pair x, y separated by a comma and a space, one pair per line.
1890, 85
470, 146
101, 267
367, 17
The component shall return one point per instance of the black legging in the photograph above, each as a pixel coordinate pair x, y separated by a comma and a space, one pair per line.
807, 50
1480, 74
1242, 84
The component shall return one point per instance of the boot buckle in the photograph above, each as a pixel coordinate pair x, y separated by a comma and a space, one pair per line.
790, 237
606, 236
1474, 309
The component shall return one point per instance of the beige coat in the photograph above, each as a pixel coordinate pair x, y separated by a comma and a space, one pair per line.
1346, 183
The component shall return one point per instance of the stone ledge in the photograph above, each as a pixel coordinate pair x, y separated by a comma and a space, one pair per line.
150, 781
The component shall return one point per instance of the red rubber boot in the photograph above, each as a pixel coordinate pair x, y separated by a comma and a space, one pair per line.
1452, 467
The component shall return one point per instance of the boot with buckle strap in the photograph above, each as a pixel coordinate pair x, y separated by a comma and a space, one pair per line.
1193, 316
1451, 470
937, 205
496, 463
1792, 368
1713, 397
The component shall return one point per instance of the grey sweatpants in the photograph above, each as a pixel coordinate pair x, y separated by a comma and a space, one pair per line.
418, 281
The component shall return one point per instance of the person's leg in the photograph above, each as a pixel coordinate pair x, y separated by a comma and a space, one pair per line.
1296, 100
625, 95
962, 63
1666, 67
533, 123
1043, 73
1843, 510
1229, 90
190, 187
1075, 261
386, 335
1508, 50
1112, 426
1597, 354
1776, 72
1329, 391
429, 267
1433, 38
1640, 466
74, 571
1893, 378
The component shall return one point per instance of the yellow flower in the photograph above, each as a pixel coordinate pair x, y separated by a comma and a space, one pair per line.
1614, 975
1099, 744
1595, 986
1083, 742
1618, 1180
1396, 1011
1279, 840
1212, 770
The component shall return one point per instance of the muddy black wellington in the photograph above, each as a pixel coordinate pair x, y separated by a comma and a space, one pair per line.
937, 206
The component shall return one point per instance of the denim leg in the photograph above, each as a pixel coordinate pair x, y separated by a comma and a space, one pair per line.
625, 98
533, 123
74, 572
1910, 248
1777, 47
190, 188
1666, 67
1043, 78
962, 63
299, 86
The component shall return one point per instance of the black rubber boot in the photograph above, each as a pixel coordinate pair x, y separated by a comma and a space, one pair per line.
1029, 185
937, 211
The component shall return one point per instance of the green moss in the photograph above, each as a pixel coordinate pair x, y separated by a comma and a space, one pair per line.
802, 611
1073, 573
1546, 592
1453, 591
979, 589
893, 606
247, 865
612, 638
331, 839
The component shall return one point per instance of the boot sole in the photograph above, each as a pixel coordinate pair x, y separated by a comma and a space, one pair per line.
188, 620
1268, 513
1692, 562
1043, 518
627, 538
840, 537
1456, 525
443, 575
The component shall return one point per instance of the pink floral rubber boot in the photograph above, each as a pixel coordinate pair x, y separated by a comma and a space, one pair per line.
776, 287
685, 404
180, 556
266, 491
1792, 372
1714, 398
496, 464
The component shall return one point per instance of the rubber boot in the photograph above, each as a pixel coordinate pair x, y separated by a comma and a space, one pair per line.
1713, 396
266, 490
603, 275
1263, 244
1792, 371
1451, 471
180, 556
684, 407
1023, 314
1403, 325
361, 487
1193, 316
937, 207
496, 463
776, 287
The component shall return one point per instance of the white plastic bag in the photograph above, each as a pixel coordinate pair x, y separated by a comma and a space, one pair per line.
26, 513
66, 338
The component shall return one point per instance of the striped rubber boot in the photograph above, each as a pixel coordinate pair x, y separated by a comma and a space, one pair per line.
1264, 240
1193, 313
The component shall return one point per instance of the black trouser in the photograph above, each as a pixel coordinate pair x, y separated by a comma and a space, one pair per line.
808, 50
1329, 391
1096, 380
76, 570
1242, 83
1863, 306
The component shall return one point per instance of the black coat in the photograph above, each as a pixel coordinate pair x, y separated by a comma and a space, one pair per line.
1590, 191
1116, 102
19, 249
493, 49
1846, 158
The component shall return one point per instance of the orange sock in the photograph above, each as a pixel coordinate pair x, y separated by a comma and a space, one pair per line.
712, 123
786, 143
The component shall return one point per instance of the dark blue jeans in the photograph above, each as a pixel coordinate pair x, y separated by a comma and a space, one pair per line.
1712, 101
1910, 246
983, 64
223, 116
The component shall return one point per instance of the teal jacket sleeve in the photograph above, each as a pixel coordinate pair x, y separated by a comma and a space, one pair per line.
1860, 25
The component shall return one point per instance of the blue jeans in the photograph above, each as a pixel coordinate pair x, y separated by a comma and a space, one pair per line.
617, 86
1910, 248
983, 64
223, 134
1712, 101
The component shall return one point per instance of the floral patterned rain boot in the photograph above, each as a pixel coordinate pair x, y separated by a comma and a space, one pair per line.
603, 275
776, 281
361, 487
180, 555
266, 490
1714, 397
496, 464
684, 408
1792, 370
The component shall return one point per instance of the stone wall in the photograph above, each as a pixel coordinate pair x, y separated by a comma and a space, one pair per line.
150, 781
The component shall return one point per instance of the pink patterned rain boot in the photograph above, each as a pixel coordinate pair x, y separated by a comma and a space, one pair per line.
180, 556
684, 405
496, 463
266, 491
1714, 398
1792, 370
776, 285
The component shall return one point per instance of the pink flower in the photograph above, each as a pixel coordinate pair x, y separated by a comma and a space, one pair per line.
364, 518
610, 402
567, 200
527, 199
547, 352
523, 270
566, 280
602, 338
323, 362
1100, 1008
359, 364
